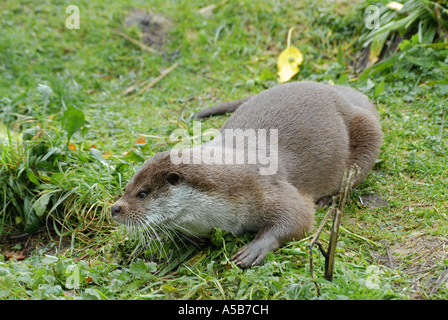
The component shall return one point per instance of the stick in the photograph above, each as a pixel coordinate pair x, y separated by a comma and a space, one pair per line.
160, 77
329, 259
136, 42
441, 279
316, 237
347, 185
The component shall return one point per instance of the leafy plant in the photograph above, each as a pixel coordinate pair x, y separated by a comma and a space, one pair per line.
40, 179
426, 19
72, 120
412, 38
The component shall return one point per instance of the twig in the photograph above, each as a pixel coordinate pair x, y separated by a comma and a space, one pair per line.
441, 279
162, 75
359, 237
80, 258
322, 250
128, 90
391, 262
151, 50
23, 235
329, 259
347, 185
317, 234
136, 42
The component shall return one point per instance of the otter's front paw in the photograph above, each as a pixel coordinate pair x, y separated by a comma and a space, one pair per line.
250, 255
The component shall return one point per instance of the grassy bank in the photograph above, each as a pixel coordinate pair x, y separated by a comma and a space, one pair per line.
81, 109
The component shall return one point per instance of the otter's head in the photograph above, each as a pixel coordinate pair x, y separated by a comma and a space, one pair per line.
145, 200
165, 194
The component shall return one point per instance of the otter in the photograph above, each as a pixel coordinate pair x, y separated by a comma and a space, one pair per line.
322, 131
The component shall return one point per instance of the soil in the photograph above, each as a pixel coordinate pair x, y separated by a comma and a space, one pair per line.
419, 256
154, 26
21, 246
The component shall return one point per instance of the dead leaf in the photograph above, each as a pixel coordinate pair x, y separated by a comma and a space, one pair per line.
14, 255
288, 61
140, 140
72, 146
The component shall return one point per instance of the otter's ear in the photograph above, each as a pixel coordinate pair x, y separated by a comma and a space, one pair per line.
173, 178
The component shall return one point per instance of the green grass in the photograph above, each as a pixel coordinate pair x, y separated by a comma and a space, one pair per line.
396, 251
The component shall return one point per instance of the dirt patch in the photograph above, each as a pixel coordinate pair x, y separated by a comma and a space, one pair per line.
21, 246
154, 26
419, 256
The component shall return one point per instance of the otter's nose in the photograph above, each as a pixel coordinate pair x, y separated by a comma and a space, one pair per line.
116, 210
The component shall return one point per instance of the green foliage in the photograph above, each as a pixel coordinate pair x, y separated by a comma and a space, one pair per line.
421, 30
42, 179
209, 274
63, 87
72, 120
51, 277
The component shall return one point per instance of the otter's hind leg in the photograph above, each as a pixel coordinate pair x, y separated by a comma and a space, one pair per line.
365, 141
289, 216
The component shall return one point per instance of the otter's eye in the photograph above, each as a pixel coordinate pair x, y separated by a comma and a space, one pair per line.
141, 195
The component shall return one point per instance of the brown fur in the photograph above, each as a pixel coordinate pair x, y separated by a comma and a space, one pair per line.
223, 108
323, 132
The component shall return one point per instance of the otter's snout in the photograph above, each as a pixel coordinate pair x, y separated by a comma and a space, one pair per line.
116, 211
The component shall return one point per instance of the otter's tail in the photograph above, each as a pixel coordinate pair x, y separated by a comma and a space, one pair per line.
222, 108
